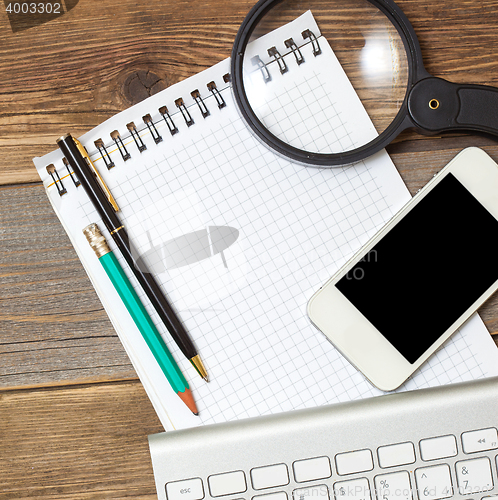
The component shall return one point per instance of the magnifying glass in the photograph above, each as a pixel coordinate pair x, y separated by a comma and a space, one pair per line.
379, 52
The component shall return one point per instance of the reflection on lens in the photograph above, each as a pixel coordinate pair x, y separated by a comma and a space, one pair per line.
327, 80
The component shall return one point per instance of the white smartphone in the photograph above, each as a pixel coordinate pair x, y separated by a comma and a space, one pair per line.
419, 278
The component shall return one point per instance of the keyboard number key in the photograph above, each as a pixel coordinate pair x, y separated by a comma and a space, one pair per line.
434, 482
187, 489
279, 495
474, 476
316, 491
481, 440
395, 486
356, 489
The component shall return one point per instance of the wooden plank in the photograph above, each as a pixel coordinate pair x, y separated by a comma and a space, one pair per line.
89, 441
85, 443
418, 160
458, 39
72, 73
54, 329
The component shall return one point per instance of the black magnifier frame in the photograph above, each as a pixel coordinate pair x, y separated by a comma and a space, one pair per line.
431, 105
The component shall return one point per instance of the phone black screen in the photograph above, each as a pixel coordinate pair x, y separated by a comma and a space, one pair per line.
427, 270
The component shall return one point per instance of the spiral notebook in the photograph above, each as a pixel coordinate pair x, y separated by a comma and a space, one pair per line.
184, 167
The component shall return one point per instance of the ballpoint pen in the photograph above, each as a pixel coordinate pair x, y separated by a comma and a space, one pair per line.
139, 315
107, 207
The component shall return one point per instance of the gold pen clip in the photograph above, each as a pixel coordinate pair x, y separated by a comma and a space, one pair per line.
83, 152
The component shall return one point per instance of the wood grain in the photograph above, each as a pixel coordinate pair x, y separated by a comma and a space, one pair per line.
53, 327
86, 443
69, 74
73, 417
74, 72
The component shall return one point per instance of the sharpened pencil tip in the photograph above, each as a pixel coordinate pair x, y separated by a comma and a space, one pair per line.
188, 399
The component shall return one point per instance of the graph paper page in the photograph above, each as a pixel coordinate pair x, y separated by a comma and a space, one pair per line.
239, 239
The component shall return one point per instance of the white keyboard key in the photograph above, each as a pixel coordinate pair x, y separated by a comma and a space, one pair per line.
188, 489
280, 495
474, 476
356, 489
394, 486
311, 492
396, 454
481, 440
438, 447
493, 497
354, 461
434, 482
269, 476
312, 469
227, 483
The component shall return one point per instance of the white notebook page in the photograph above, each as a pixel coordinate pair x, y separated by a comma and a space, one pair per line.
285, 229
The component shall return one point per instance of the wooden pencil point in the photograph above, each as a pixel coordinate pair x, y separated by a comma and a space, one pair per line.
188, 399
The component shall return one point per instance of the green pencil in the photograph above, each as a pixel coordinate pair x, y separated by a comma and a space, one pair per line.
140, 316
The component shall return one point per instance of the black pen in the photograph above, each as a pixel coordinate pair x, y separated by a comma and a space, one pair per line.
107, 207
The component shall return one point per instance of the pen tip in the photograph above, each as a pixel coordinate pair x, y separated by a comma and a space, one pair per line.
199, 366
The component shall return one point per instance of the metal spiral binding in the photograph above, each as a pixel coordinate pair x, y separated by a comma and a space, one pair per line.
136, 137
119, 143
256, 61
152, 128
186, 115
216, 93
198, 99
314, 41
273, 52
280, 60
57, 180
71, 173
169, 121
180, 104
99, 144
106, 151
291, 44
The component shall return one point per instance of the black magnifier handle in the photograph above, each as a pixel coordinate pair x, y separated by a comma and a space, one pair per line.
436, 105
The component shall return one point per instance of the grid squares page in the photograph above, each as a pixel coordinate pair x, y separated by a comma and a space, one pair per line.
239, 239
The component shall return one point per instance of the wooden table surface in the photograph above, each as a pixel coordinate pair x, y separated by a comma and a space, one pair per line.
74, 418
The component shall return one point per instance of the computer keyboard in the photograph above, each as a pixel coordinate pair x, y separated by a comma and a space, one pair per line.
428, 444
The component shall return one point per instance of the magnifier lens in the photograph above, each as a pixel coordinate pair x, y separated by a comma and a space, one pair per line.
305, 97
